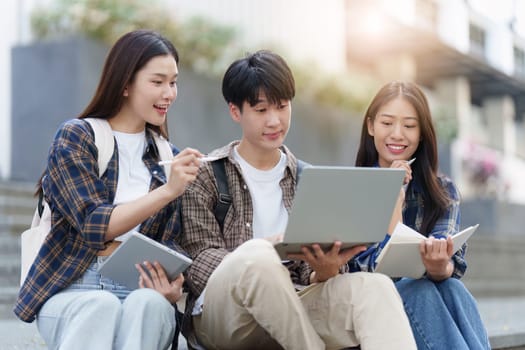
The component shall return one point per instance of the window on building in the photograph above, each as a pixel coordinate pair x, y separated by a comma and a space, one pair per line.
477, 39
519, 61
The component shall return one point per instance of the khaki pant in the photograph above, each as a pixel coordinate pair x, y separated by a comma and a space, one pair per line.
250, 303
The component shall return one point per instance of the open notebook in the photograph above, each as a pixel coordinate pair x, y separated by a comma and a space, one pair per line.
401, 257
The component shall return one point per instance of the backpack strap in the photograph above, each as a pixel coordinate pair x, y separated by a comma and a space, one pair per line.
225, 199
40, 205
104, 140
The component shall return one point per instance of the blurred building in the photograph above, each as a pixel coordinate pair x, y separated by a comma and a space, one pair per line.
14, 24
474, 70
472, 67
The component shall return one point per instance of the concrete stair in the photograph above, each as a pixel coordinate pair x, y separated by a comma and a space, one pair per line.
493, 260
494, 274
17, 205
494, 266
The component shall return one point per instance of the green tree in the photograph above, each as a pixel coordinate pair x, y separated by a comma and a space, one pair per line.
202, 41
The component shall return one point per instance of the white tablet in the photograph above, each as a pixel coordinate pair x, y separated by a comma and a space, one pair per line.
120, 266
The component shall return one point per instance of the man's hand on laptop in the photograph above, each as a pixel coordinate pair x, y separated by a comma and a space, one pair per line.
326, 264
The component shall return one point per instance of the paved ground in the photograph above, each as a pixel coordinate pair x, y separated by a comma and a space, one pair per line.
505, 321
17, 335
504, 317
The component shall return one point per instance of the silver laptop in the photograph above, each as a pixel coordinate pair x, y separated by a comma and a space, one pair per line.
351, 204
120, 266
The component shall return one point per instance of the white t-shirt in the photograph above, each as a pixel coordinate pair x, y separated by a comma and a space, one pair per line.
133, 176
269, 214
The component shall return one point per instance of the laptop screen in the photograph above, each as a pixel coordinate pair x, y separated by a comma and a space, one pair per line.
350, 204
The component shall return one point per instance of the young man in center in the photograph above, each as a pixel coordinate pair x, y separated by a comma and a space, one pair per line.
241, 295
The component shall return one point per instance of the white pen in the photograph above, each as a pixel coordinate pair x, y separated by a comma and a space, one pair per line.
202, 159
405, 186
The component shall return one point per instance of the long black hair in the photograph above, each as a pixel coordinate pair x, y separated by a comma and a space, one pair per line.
127, 56
436, 198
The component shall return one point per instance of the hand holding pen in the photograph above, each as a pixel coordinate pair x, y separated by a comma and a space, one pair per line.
406, 182
183, 170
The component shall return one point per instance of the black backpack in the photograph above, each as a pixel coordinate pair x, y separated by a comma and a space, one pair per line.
225, 199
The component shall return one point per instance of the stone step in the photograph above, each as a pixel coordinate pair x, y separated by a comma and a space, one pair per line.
17, 205
502, 317
17, 189
9, 270
493, 266
15, 224
10, 205
8, 297
9, 244
502, 288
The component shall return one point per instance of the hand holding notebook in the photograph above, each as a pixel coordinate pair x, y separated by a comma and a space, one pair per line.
401, 258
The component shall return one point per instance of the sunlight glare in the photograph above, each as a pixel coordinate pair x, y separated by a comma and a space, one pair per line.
372, 24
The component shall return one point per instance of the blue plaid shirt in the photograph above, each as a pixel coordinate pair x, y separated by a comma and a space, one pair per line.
445, 226
81, 205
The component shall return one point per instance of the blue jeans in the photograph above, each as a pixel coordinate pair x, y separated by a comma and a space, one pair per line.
443, 315
96, 313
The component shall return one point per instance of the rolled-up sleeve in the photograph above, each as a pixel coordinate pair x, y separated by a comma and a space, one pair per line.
366, 260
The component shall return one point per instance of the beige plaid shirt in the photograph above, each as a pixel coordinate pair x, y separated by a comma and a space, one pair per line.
201, 236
